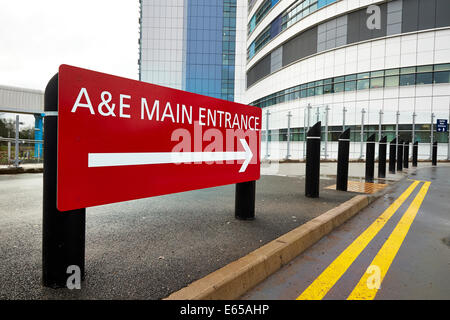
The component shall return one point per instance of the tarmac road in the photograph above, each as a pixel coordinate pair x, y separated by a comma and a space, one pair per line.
149, 248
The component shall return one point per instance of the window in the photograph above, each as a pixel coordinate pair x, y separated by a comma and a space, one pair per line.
375, 74
377, 82
392, 72
339, 87
328, 88
392, 81
375, 79
407, 79
350, 77
350, 85
442, 67
363, 84
408, 70
425, 69
319, 90
442, 77
365, 75
424, 78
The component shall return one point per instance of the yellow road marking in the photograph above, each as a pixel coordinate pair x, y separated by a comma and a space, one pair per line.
387, 253
327, 279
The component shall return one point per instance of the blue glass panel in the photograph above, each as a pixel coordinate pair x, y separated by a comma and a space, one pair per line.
275, 27
321, 3
253, 23
274, 2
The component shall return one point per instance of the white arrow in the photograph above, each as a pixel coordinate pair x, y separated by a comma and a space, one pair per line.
141, 158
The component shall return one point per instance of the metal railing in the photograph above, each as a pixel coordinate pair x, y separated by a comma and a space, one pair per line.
284, 129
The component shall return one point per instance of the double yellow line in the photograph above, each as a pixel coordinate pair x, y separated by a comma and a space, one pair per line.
382, 261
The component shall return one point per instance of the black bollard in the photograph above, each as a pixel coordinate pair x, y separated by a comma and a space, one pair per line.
400, 155
415, 153
382, 157
392, 155
313, 161
370, 158
245, 200
406, 155
63, 233
434, 158
343, 156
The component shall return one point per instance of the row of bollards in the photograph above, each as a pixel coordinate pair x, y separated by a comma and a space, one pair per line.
398, 159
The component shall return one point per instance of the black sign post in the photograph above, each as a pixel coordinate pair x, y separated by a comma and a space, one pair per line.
245, 200
406, 155
382, 157
63, 233
434, 157
342, 164
392, 155
313, 161
400, 155
370, 158
415, 152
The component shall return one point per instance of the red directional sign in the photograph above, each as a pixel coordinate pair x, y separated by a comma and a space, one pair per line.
122, 139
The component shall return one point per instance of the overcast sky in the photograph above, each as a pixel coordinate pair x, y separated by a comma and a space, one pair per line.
36, 36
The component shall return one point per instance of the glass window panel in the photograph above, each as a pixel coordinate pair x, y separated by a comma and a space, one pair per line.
350, 77
303, 93
339, 79
407, 70
328, 81
350, 85
442, 77
392, 81
377, 82
407, 80
339, 87
376, 74
425, 69
319, 90
310, 92
364, 75
442, 67
391, 72
424, 78
319, 83
363, 84
328, 88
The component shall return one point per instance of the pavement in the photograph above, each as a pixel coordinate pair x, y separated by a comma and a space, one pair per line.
418, 270
149, 248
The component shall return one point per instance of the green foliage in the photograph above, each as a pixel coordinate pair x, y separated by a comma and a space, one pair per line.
7, 130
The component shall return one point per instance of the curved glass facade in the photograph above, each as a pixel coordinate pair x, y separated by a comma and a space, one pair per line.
408, 76
296, 12
398, 16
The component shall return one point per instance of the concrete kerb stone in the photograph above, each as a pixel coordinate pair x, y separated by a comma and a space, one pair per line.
14, 170
236, 278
